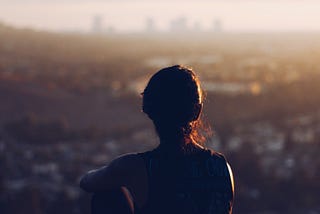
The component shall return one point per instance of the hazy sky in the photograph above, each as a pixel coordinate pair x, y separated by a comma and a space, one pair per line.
129, 15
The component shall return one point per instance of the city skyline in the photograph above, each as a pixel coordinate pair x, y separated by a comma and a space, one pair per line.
130, 16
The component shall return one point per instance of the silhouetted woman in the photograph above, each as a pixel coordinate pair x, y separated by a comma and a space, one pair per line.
179, 176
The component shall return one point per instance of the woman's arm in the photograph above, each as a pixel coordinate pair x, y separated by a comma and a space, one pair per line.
232, 186
231, 179
118, 173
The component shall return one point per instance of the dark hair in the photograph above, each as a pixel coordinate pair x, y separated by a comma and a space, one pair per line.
173, 101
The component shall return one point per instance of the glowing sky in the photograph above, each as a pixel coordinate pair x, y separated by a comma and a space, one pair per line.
130, 15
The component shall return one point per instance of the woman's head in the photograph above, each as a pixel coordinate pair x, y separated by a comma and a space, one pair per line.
173, 101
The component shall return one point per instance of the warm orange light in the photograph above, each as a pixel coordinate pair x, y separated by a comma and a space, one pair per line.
255, 88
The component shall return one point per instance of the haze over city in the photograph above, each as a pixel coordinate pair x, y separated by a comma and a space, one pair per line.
132, 16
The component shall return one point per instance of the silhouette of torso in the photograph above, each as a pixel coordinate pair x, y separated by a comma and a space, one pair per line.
194, 183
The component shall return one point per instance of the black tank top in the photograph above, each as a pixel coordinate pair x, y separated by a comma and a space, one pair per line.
195, 183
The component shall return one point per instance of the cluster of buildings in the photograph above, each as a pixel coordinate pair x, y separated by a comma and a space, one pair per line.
177, 25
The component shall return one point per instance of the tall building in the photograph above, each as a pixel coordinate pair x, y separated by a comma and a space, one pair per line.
97, 24
150, 25
179, 24
217, 25
197, 27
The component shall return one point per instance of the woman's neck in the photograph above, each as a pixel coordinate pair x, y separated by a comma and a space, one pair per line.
178, 145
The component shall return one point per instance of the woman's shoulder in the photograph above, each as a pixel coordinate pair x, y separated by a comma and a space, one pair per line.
127, 161
122, 171
216, 154
206, 153
126, 167
131, 168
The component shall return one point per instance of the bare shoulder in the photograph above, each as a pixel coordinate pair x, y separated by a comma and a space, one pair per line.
132, 171
127, 163
120, 172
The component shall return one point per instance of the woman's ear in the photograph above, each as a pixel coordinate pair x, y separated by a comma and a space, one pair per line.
198, 109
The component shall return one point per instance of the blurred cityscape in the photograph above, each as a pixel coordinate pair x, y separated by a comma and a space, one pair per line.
179, 24
71, 103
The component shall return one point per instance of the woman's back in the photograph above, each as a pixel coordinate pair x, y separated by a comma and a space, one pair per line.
196, 182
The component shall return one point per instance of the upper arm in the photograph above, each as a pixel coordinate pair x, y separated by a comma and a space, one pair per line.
231, 179
232, 186
116, 174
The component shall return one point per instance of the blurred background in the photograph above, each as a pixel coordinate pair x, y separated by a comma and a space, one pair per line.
71, 73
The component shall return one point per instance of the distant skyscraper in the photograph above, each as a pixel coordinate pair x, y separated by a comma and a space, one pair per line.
150, 25
197, 27
179, 25
217, 26
97, 24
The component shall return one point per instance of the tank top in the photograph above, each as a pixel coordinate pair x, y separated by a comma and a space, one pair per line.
196, 183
